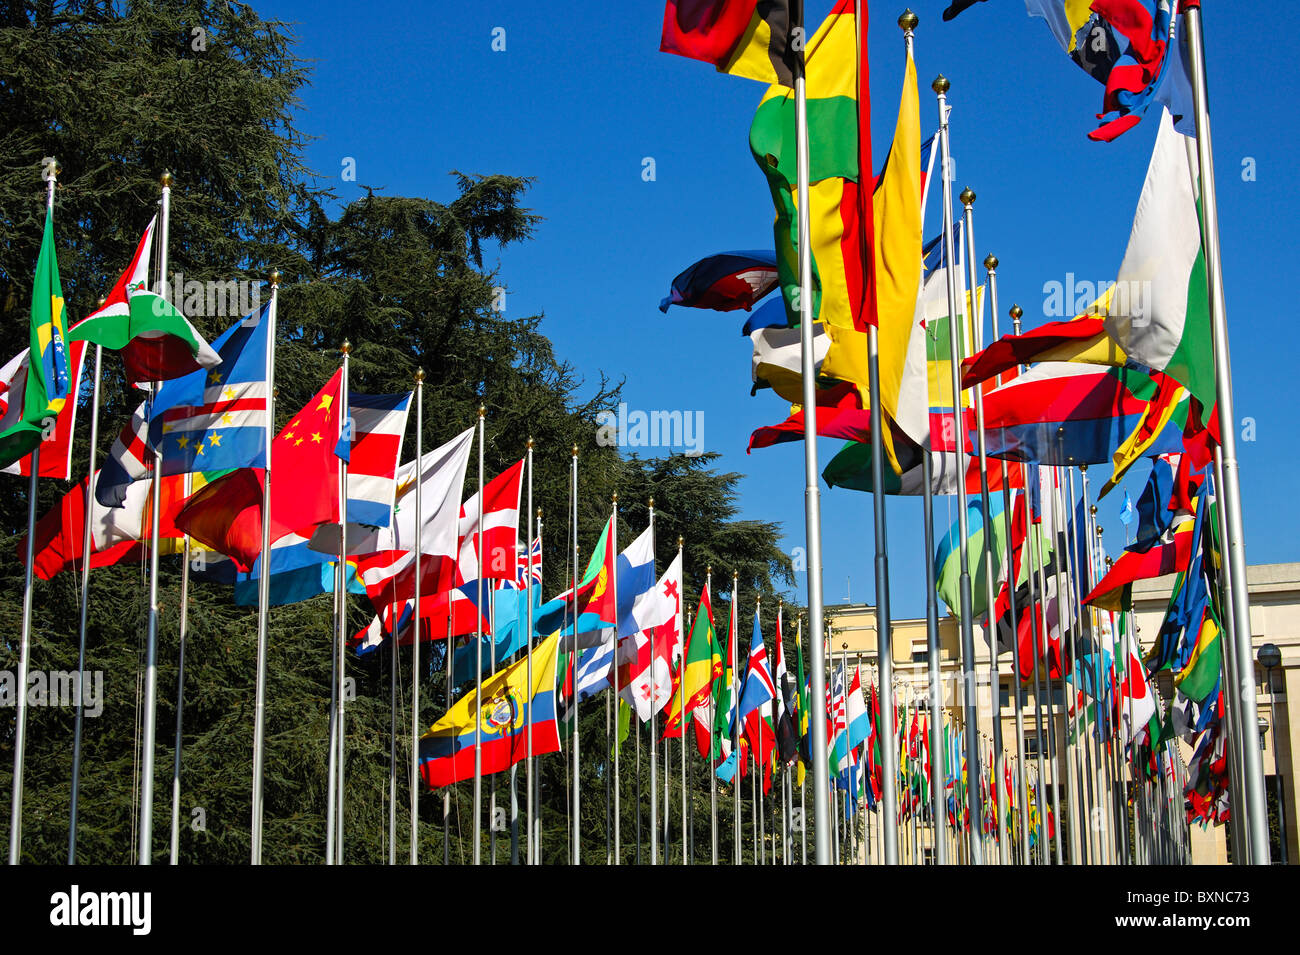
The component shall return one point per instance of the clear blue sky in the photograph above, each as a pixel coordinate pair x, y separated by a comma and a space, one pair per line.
581, 96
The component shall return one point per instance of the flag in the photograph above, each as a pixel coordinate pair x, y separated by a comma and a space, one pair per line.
447, 749
838, 107
1129, 46
897, 220
857, 719
1168, 556
297, 572
1081, 339
1126, 511
389, 573
787, 737
947, 558
47, 384
646, 681
203, 421
750, 38
851, 468
1160, 428
372, 451
1165, 322
60, 536
759, 688
694, 679
156, 341
226, 515
724, 282
777, 358
55, 444
725, 696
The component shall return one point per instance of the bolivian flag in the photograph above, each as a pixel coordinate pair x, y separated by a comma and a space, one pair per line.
48, 380
447, 749
750, 38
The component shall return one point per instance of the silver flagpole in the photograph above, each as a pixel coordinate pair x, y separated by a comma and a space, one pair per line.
734, 638
681, 708
803, 815
180, 687
933, 652
1256, 808
478, 666
755, 809
1047, 675
654, 748
331, 798
534, 813
448, 661
85, 607
613, 698
24, 648
416, 629
263, 593
151, 639
995, 677
529, 808
812, 492
970, 701
392, 745
577, 775
340, 578
713, 728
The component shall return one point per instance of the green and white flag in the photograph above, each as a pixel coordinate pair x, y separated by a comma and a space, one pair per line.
1160, 312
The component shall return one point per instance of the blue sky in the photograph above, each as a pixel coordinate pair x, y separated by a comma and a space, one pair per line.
581, 97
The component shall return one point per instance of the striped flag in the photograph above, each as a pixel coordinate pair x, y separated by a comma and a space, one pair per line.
56, 446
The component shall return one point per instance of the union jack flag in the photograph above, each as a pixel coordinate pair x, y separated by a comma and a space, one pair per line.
525, 562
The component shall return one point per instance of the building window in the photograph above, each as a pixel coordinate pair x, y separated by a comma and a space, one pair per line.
1031, 746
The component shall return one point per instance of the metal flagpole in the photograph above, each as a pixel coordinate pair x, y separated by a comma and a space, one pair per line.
448, 660
933, 652
654, 747
681, 708
416, 629
1232, 715
713, 726
812, 492
1047, 678
24, 647
613, 697
534, 814
79, 718
1256, 808
478, 666
392, 743
340, 584
151, 638
174, 855
735, 701
529, 808
577, 775
970, 701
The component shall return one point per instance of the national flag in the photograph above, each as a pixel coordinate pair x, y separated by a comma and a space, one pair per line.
857, 719
1132, 48
947, 558
703, 665
56, 443
839, 414
1082, 339
725, 696
802, 711
1136, 701
156, 341
1168, 556
372, 451
646, 681
203, 421
759, 688
557, 613
226, 515
1165, 322
897, 221
297, 572
777, 359
724, 282
787, 736
838, 107
48, 382
755, 39
447, 749
851, 468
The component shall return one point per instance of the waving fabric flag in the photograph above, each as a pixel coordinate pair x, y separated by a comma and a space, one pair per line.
840, 215
447, 749
776, 363
48, 381
724, 282
1081, 339
759, 688
156, 341
947, 559
56, 445
203, 421
749, 38
787, 737
646, 681
226, 515
1165, 322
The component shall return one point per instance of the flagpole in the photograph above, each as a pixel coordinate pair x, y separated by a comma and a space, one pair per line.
654, 695
340, 583
713, 728
149, 733
733, 639
617, 857
416, 629
933, 653
995, 678
528, 643
86, 544
1051, 696
803, 815
534, 814
180, 683
577, 775
812, 492
1256, 808
448, 661
970, 701
681, 709
20, 728
478, 665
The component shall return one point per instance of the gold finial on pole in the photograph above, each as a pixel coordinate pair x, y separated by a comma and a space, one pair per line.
419, 375
274, 277
967, 196
991, 262
482, 411
166, 180
346, 348
908, 20
680, 540
575, 450
1016, 312
530, 444
941, 84
652, 502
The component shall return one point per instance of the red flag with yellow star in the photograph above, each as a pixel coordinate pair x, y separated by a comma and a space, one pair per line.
226, 515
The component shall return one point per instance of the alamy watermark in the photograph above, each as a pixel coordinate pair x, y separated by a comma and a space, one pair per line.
232, 298
651, 429
66, 688
1130, 299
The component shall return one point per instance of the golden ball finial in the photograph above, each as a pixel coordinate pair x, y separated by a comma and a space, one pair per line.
967, 196
908, 20
346, 347
1084, 467
1092, 509
940, 84
419, 376
991, 262
575, 450
616, 498
530, 444
539, 513
166, 180
652, 502
1016, 312
102, 301
708, 568
1100, 530
680, 541
482, 411
735, 575
274, 277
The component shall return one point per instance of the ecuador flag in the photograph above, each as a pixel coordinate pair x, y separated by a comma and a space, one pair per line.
447, 749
